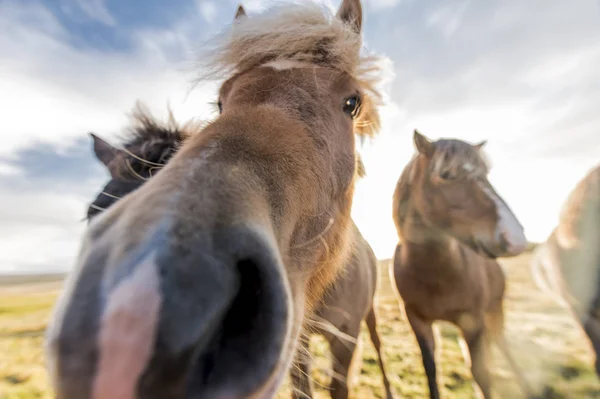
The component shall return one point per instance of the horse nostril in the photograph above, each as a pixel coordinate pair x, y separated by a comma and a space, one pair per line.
246, 306
246, 348
242, 315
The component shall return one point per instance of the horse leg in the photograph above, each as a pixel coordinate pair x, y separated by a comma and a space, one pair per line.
424, 333
479, 348
342, 353
300, 372
495, 325
592, 329
372, 325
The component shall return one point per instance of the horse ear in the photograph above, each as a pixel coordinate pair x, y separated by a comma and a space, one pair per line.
350, 12
104, 151
480, 145
423, 144
240, 13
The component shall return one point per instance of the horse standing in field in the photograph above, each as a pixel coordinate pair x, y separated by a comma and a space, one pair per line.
570, 258
197, 284
345, 304
452, 224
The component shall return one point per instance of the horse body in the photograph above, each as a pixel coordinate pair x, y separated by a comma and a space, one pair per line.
448, 280
218, 248
451, 224
570, 258
346, 303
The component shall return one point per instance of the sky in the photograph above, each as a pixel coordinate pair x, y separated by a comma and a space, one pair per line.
521, 74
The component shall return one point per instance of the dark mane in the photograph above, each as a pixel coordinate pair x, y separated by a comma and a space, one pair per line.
146, 147
149, 144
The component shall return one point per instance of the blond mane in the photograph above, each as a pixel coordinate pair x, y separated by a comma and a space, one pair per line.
305, 32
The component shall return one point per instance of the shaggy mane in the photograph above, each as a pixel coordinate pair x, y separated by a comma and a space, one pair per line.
452, 155
304, 32
148, 143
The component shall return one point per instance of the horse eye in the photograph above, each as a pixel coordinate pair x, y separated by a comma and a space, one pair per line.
352, 106
220, 105
446, 175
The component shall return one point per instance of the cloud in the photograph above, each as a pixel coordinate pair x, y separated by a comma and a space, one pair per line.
207, 9
8, 170
54, 90
447, 17
96, 10
42, 205
521, 74
40, 229
379, 5
35, 248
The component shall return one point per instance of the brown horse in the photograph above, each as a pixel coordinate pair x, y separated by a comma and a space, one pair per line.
570, 258
345, 304
451, 224
197, 283
348, 302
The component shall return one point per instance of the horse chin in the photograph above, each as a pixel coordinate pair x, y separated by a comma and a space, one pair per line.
480, 247
486, 252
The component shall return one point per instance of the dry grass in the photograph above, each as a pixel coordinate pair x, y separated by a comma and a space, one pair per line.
543, 338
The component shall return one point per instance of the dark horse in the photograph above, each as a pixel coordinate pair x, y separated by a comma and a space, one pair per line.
197, 284
145, 152
452, 224
570, 258
345, 304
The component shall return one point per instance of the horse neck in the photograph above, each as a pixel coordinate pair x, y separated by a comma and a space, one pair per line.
437, 249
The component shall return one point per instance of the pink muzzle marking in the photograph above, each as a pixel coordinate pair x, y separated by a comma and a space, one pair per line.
127, 332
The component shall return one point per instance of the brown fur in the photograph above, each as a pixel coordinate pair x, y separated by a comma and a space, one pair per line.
348, 302
440, 269
233, 217
570, 257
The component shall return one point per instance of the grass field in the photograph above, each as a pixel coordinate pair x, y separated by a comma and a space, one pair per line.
544, 339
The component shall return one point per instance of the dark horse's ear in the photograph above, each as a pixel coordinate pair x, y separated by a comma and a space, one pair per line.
423, 144
350, 12
240, 13
480, 145
104, 151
